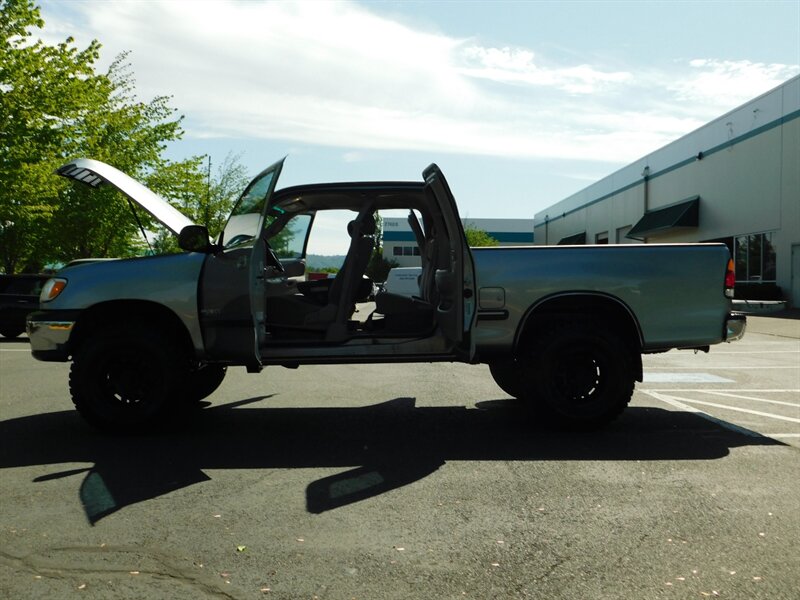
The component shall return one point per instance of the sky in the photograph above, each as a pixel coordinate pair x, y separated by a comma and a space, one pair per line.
520, 103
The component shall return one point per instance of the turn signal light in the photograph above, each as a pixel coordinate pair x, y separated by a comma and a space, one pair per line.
51, 289
730, 279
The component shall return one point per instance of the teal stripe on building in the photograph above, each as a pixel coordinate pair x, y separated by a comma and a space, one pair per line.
504, 237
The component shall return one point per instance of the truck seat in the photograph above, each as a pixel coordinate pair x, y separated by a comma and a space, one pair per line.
304, 312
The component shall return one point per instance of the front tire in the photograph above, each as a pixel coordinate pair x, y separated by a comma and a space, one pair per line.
127, 379
202, 382
581, 374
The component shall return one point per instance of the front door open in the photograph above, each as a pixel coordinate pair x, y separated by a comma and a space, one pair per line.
233, 281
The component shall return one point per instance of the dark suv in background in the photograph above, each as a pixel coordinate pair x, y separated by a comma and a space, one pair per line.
19, 295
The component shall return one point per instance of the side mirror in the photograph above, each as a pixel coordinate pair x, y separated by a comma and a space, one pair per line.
194, 238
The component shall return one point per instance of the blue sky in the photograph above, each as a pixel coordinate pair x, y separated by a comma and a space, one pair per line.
520, 103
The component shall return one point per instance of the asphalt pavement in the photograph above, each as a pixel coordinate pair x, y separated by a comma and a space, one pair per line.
412, 481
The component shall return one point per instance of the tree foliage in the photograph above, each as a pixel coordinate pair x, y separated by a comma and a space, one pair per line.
478, 237
55, 106
44, 91
203, 195
378, 267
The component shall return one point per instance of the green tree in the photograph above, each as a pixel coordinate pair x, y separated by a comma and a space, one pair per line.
478, 237
378, 267
130, 135
44, 90
54, 107
206, 198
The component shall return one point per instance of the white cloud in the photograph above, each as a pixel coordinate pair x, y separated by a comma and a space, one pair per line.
509, 65
723, 84
335, 74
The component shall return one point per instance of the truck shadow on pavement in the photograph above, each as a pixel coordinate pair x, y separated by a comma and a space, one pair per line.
382, 447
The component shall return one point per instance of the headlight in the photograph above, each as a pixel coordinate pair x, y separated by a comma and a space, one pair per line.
52, 288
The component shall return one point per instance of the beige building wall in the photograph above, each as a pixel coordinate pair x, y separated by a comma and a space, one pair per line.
744, 166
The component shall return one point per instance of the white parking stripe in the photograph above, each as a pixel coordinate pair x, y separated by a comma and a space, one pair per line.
758, 352
731, 368
691, 409
783, 435
684, 378
672, 400
747, 391
743, 410
729, 395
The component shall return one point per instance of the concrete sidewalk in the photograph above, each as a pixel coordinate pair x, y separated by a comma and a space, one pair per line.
785, 323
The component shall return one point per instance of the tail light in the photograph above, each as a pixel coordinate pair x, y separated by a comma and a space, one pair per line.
730, 279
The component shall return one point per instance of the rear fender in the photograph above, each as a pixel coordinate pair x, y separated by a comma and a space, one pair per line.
607, 311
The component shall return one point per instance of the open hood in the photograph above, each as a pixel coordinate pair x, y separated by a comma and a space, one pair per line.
94, 173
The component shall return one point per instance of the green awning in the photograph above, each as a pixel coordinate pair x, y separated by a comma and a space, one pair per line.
683, 214
573, 240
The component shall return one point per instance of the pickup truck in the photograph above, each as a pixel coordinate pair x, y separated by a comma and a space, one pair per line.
561, 328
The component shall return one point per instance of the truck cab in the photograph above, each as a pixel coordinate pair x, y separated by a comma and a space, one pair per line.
255, 307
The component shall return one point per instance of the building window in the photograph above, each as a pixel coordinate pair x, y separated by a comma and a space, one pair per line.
405, 251
755, 258
601, 238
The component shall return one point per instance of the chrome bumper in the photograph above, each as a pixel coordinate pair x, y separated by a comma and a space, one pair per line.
735, 325
49, 338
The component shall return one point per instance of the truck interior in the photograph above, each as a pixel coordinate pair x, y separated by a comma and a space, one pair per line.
324, 310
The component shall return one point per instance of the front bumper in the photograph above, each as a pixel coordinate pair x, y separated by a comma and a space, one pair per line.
49, 334
735, 325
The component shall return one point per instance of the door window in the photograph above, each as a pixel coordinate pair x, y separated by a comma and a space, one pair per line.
242, 226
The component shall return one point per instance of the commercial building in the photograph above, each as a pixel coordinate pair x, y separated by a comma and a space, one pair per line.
735, 180
400, 245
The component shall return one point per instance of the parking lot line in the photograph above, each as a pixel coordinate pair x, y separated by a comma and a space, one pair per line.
680, 401
729, 368
757, 352
746, 391
743, 410
729, 395
676, 402
684, 378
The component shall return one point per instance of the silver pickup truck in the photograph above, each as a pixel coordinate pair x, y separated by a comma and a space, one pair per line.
562, 328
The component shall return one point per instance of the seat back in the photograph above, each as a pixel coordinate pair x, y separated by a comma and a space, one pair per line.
357, 259
341, 298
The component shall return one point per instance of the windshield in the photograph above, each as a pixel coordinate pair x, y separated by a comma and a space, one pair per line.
287, 234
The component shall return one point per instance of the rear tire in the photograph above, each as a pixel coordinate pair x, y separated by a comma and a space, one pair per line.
127, 379
581, 374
